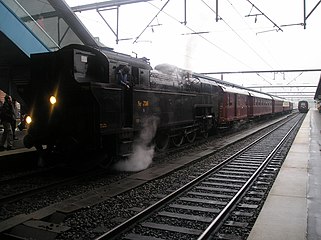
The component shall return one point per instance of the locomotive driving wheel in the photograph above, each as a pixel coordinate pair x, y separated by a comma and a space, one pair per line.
205, 134
161, 142
104, 161
191, 136
177, 140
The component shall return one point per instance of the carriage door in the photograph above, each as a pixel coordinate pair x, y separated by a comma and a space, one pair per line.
235, 105
250, 106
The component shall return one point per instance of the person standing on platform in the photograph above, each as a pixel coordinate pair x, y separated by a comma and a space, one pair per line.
7, 116
14, 122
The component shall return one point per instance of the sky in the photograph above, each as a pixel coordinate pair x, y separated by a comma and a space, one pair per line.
237, 42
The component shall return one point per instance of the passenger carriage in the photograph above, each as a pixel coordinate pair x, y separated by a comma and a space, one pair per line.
259, 104
233, 106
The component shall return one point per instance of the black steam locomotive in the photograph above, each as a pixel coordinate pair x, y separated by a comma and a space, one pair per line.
95, 100
81, 100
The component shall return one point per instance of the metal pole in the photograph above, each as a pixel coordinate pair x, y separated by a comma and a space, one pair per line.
58, 31
10, 77
185, 13
117, 38
216, 10
304, 13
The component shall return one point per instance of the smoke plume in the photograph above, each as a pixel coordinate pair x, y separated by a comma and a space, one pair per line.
143, 152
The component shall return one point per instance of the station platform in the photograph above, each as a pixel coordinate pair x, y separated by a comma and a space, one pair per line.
17, 144
293, 207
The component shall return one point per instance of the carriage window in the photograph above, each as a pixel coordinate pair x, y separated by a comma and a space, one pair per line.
229, 100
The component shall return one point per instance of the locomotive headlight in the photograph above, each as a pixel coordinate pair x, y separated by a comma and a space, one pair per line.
53, 100
28, 119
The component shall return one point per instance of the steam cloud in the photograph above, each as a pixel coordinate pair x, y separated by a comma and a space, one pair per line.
143, 152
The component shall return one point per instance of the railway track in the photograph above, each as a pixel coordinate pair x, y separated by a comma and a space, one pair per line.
20, 175
18, 188
219, 203
85, 200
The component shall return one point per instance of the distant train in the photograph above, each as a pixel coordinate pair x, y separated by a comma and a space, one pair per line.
303, 106
86, 99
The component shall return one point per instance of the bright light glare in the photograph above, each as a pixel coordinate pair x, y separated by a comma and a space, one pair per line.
28, 119
53, 100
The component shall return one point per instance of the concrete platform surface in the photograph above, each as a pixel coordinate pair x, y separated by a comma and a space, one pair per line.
292, 210
17, 144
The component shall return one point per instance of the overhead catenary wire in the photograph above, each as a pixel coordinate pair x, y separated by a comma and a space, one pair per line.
160, 10
239, 7
249, 27
204, 38
274, 24
294, 79
242, 39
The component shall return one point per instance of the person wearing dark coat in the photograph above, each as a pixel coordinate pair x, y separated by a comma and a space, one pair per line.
7, 115
122, 72
14, 122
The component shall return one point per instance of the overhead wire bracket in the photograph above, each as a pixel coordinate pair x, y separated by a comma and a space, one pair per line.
148, 25
304, 12
117, 21
261, 13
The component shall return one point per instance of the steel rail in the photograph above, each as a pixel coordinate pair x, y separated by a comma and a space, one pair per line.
218, 221
32, 191
116, 231
46, 187
20, 176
